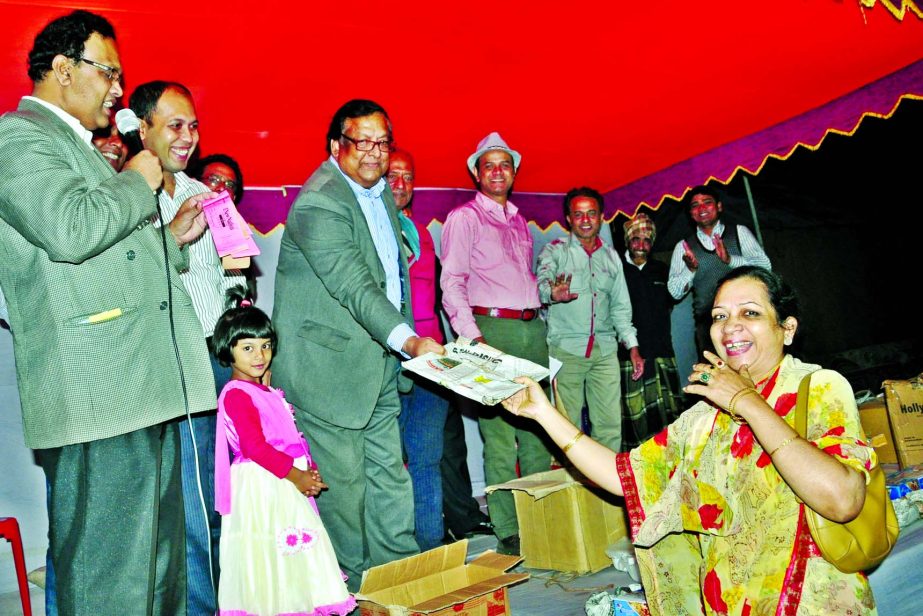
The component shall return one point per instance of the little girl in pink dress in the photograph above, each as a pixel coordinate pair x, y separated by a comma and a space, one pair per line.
275, 555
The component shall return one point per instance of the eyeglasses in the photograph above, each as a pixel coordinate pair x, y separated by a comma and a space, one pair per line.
112, 74
367, 145
217, 181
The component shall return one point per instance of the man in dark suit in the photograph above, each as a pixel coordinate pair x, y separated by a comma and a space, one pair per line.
90, 306
343, 313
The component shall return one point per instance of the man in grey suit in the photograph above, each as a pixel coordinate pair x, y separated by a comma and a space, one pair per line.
90, 306
342, 312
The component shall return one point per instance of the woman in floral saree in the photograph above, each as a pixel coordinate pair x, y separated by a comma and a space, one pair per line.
713, 499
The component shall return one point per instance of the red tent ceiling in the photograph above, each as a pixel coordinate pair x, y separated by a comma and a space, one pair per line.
591, 93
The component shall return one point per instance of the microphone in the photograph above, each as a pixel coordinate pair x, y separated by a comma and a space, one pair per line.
129, 126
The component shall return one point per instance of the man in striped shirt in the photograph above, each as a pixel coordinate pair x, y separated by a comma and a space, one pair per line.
700, 260
170, 129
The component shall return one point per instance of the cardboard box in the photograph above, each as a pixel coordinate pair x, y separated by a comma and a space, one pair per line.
905, 411
877, 427
562, 524
439, 583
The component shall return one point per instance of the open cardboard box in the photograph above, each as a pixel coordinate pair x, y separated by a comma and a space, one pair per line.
564, 525
439, 583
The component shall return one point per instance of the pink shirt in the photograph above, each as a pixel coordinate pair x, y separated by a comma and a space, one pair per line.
251, 439
486, 261
423, 287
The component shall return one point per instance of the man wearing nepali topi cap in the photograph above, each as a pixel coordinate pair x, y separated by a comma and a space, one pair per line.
656, 399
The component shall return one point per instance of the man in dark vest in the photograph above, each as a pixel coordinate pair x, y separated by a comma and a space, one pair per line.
700, 260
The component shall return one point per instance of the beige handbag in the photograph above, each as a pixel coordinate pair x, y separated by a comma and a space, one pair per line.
865, 541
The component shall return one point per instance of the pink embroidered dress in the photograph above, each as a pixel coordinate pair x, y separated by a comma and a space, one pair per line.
276, 557
718, 531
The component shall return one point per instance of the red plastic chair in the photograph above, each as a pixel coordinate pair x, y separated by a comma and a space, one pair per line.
9, 530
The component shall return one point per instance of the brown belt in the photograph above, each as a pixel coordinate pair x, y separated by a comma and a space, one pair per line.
505, 313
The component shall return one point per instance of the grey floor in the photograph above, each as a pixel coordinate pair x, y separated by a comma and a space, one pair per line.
546, 593
11, 606
552, 593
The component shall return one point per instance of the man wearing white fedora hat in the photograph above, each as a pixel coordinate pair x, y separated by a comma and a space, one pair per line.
490, 295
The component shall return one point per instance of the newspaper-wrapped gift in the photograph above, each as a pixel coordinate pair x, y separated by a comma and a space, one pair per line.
476, 370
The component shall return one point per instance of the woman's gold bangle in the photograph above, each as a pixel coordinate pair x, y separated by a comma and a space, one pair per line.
743, 392
782, 444
573, 442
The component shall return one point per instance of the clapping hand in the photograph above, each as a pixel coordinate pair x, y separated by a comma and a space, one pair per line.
689, 257
720, 249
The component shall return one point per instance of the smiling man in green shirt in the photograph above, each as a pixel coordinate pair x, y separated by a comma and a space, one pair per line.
580, 279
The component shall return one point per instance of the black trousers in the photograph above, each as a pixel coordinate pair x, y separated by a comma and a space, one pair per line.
460, 509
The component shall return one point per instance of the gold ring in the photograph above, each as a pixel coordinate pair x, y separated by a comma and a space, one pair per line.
704, 377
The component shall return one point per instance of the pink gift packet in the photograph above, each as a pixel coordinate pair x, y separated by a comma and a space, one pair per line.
230, 231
